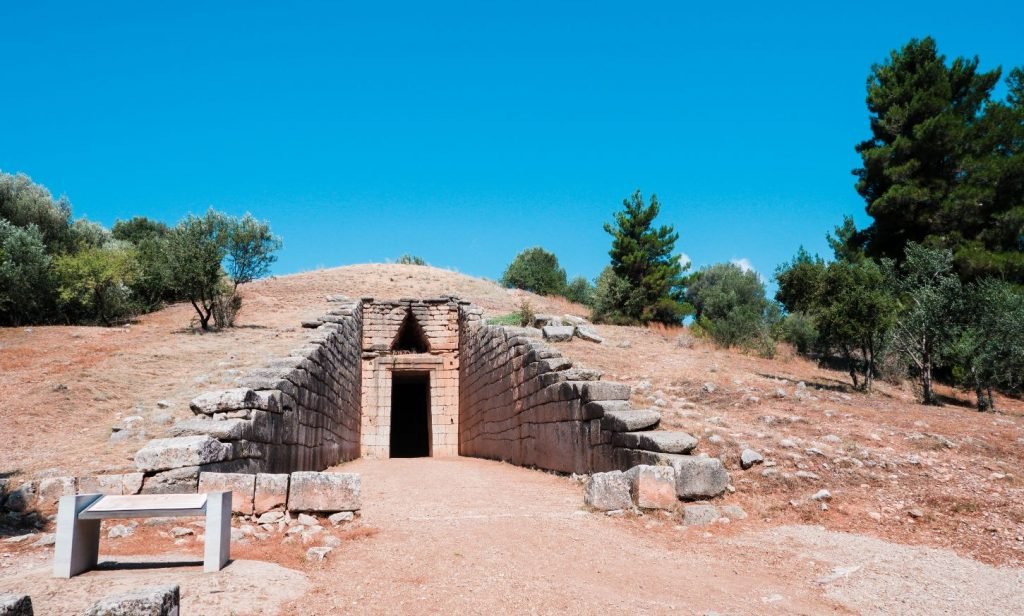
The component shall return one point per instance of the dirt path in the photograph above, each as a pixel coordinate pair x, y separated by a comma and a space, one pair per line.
474, 536
469, 536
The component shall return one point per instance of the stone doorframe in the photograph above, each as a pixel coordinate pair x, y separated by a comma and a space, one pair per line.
377, 383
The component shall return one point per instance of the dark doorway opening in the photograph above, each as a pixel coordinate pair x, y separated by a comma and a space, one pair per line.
410, 415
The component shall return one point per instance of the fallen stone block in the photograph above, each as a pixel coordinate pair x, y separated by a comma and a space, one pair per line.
21, 499
698, 477
657, 441
558, 333
15, 605
166, 453
242, 487
607, 491
271, 492
700, 515
588, 334
652, 487
630, 421
51, 489
150, 601
324, 492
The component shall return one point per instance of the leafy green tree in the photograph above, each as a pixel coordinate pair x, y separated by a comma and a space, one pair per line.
24, 203
85, 234
854, 312
800, 282
95, 282
611, 293
535, 270
730, 304
197, 249
580, 290
943, 166
642, 256
929, 299
990, 350
250, 249
138, 228
799, 330
27, 292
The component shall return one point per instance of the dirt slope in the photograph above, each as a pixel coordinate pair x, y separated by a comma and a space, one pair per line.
63, 388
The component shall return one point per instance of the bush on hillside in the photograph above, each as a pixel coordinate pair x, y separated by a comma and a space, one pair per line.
535, 270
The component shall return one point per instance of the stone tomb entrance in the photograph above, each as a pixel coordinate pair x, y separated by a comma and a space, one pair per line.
410, 415
410, 401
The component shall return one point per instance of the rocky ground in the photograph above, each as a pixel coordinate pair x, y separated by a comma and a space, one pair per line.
918, 509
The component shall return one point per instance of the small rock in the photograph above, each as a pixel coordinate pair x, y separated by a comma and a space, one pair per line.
237, 534
700, 515
915, 513
163, 404
120, 530
331, 541
181, 531
749, 457
307, 520
807, 475
874, 515
18, 538
822, 495
708, 388
318, 554
341, 517
46, 539
270, 517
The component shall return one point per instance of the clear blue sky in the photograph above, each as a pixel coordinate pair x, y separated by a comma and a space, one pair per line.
466, 132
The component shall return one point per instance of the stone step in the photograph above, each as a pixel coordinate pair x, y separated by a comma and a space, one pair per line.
659, 441
630, 421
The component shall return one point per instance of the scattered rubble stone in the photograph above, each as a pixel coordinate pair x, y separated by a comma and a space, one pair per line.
151, 601
749, 457
821, 495
15, 605
318, 554
607, 491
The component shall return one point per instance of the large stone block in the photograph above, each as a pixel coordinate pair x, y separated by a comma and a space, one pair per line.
15, 605
51, 489
658, 441
630, 421
271, 493
652, 487
558, 333
150, 601
167, 453
102, 484
698, 478
175, 481
228, 429
324, 492
242, 487
603, 390
236, 399
607, 491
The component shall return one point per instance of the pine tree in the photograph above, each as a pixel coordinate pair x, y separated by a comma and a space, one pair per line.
642, 257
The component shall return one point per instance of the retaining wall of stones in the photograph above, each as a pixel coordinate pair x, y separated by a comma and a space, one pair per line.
298, 413
520, 401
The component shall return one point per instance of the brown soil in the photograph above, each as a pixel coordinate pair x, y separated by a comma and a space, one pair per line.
63, 388
474, 536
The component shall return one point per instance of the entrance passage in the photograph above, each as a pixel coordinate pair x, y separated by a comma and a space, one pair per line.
410, 415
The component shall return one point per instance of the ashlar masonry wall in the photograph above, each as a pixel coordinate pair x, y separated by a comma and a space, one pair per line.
411, 337
520, 401
300, 412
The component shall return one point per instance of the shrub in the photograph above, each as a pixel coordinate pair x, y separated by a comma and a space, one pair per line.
24, 203
580, 290
731, 305
94, 283
535, 270
526, 314
408, 259
27, 292
799, 330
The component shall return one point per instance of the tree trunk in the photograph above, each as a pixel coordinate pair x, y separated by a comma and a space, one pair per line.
979, 391
991, 402
927, 394
853, 367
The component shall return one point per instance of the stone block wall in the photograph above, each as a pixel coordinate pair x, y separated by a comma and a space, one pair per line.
435, 322
520, 401
300, 412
